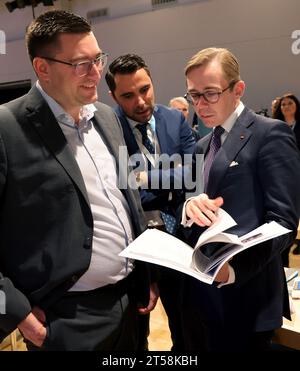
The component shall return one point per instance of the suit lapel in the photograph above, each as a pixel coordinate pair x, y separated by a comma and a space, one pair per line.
109, 132
161, 131
204, 144
129, 137
42, 118
236, 140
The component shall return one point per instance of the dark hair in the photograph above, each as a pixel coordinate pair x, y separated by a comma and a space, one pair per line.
123, 65
42, 34
278, 113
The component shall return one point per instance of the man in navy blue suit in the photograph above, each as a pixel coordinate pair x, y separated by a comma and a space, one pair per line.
162, 140
255, 177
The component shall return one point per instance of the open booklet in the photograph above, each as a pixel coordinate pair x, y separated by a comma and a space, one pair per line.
212, 250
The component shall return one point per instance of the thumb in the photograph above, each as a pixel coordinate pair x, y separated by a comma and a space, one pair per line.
219, 201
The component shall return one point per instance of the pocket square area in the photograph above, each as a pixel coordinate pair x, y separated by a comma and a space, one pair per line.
234, 163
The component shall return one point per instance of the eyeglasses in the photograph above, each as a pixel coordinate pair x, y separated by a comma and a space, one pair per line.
83, 68
210, 96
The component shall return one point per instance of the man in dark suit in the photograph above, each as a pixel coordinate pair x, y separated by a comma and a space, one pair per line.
63, 218
164, 149
252, 170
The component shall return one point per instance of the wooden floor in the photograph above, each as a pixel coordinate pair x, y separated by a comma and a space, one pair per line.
159, 338
14, 342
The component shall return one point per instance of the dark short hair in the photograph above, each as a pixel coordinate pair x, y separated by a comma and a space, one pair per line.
43, 32
123, 65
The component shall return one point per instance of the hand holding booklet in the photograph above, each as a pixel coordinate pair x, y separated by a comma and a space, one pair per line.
213, 248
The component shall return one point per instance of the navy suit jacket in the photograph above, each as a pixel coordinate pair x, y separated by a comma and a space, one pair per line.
175, 137
262, 186
46, 224
297, 133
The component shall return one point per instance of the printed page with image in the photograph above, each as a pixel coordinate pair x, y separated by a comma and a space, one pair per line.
213, 248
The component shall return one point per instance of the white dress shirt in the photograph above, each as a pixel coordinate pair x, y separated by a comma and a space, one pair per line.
112, 226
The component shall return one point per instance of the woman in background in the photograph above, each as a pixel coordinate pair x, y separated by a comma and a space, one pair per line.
288, 110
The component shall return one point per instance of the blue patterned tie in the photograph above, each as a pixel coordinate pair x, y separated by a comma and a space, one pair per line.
215, 145
145, 139
169, 220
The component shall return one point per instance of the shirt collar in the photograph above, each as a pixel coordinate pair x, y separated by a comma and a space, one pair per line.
228, 124
133, 123
86, 112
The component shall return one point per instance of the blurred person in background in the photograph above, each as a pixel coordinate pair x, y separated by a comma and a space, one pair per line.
274, 105
288, 110
181, 104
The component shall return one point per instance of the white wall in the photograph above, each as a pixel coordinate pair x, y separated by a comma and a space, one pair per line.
258, 32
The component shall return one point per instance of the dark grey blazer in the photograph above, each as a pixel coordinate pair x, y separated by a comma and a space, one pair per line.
46, 224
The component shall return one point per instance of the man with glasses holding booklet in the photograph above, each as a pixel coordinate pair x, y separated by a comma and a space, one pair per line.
63, 219
251, 169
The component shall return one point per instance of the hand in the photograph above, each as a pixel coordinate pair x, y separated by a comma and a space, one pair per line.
32, 327
141, 178
154, 295
223, 274
202, 209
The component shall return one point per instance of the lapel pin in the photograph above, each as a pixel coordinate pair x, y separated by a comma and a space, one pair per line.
242, 136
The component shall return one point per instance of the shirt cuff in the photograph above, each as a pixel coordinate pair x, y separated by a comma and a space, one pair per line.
184, 220
231, 278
